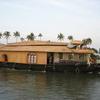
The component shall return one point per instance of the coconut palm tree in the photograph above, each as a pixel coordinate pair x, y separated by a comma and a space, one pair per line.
60, 37
16, 35
40, 35
99, 50
89, 41
31, 36
22, 39
70, 38
28, 37
95, 50
0, 35
70, 44
6, 35
83, 43
86, 42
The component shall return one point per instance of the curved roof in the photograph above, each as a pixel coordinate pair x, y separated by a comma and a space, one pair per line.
42, 46
36, 42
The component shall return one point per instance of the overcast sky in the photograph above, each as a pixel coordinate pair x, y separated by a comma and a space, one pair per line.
79, 18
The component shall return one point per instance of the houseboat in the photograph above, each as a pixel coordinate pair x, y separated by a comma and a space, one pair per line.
46, 56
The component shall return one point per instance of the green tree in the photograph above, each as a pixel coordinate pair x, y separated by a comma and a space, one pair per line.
0, 35
31, 36
70, 37
40, 35
60, 37
95, 50
89, 41
16, 35
6, 34
28, 37
99, 50
86, 42
22, 39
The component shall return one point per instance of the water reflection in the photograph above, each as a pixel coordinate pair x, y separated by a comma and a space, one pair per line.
25, 85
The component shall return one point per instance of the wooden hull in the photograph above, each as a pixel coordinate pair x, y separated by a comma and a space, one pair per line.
52, 67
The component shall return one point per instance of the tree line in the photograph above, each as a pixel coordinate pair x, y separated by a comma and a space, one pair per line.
16, 34
86, 41
32, 37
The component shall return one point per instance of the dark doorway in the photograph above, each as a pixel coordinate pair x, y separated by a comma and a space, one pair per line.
50, 58
5, 58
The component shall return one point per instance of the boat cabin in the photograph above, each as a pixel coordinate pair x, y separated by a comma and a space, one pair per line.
42, 52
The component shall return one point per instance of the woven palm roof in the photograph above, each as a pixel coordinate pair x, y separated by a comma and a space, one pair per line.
37, 42
42, 46
76, 42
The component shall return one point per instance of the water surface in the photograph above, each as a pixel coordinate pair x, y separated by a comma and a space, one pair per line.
29, 85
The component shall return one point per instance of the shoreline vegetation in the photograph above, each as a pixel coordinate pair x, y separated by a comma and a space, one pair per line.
31, 36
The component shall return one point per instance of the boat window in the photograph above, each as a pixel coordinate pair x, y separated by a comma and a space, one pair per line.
31, 58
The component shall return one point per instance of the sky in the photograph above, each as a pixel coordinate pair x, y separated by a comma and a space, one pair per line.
79, 18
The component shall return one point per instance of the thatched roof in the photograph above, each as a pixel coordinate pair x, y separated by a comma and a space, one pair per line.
41, 46
37, 42
76, 42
